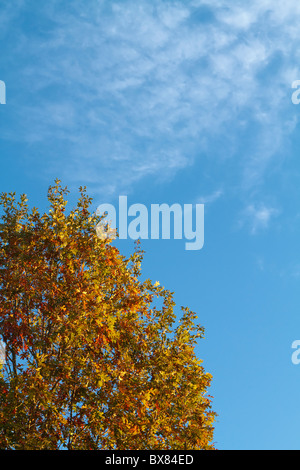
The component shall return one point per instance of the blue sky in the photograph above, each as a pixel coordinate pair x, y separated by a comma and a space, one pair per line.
189, 102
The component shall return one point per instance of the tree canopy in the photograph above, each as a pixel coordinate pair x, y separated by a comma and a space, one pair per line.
92, 361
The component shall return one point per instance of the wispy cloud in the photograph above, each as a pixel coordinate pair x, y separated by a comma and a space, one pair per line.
129, 90
258, 217
210, 198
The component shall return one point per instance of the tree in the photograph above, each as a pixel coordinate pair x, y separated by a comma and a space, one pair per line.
91, 361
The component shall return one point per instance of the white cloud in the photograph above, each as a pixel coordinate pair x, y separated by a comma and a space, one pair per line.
258, 217
239, 18
129, 89
210, 198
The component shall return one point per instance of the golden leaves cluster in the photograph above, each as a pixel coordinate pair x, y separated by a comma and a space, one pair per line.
91, 362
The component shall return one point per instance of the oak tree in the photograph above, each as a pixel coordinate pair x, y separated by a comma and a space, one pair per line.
96, 358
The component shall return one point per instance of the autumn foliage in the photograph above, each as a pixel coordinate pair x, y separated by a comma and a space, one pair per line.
91, 361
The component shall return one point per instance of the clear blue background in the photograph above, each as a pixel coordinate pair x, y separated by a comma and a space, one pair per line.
179, 101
